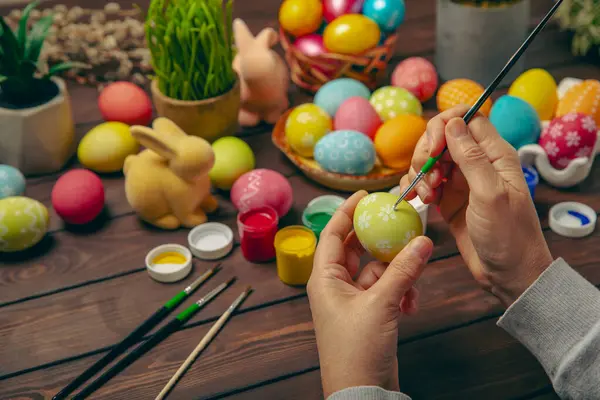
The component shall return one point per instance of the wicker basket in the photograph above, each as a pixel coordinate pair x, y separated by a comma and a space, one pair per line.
309, 72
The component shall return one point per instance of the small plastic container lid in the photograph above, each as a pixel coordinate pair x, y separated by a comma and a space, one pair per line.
211, 241
422, 208
572, 219
169, 268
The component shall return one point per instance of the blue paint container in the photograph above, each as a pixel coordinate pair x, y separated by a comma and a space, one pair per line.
532, 178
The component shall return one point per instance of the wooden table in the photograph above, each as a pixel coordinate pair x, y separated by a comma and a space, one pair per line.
65, 302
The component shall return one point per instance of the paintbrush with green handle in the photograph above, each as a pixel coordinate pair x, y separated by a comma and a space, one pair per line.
486, 94
136, 335
154, 340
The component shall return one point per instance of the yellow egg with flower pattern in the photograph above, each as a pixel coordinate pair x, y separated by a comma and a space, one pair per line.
382, 230
305, 126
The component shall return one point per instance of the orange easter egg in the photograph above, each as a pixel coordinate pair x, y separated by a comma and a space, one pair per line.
396, 140
461, 91
583, 98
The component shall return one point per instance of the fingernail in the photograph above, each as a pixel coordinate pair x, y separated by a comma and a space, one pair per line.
457, 129
421, 247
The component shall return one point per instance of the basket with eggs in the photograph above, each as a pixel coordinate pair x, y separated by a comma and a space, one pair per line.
329, 39
350, 138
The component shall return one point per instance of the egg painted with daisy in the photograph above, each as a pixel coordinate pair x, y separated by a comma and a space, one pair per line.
568, 137
305, 126
383, 231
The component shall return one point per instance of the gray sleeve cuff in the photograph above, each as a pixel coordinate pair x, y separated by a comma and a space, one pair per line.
554, 314
367, 393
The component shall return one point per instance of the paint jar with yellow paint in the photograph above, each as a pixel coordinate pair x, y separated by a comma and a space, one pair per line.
295, 249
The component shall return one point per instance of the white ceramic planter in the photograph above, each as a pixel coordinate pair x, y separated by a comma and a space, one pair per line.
38, 140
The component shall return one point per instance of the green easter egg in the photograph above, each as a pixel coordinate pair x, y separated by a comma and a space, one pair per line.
233, 158
390, 101
23, 223
383, 231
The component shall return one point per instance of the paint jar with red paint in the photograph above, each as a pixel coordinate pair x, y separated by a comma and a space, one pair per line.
257, 228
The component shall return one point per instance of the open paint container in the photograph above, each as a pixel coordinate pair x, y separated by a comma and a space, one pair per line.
572, 219
295, 248
532, 178
418, 205
257, 228
211, 241
319, 211
169, 263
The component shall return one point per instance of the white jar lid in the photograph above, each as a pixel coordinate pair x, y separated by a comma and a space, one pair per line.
572, 219
211, 241
169, 272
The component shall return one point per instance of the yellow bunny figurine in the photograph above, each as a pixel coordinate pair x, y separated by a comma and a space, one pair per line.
168, 184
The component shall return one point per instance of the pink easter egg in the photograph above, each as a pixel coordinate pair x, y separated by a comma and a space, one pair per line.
78, 196
357, 113
311, 45
568, 137
262, 187
418, 76
334, 8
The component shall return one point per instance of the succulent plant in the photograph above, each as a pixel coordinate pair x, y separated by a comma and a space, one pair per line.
22, 83
582, 17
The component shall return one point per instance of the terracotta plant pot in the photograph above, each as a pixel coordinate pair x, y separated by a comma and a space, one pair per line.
209, 119
41, 139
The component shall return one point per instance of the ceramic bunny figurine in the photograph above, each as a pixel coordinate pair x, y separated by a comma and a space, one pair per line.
264, 76
168, 184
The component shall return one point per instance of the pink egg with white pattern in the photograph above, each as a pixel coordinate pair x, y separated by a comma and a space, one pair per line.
418, 76
262, 187
568, 137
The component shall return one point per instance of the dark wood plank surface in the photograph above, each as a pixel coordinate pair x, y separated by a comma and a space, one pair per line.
70, 298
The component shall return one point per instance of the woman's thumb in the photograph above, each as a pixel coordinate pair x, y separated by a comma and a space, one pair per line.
404, 270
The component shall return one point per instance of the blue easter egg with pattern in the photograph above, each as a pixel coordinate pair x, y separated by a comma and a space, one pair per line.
388, 14
12, 182
332, 94
516, 121
345, 152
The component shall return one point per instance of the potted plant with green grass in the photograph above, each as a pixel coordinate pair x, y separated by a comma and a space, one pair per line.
195, 86
36, 123
582, 19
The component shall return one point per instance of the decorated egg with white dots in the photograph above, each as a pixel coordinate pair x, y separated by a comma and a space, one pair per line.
461, 91
12, 181
305, 126
568, 137
390, 101
346, 152
382, 230
418, 76
23, 223
582, 98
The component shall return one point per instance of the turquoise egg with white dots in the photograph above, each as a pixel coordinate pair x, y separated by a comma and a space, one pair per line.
332, 94
346, 152
391, 101
12, 181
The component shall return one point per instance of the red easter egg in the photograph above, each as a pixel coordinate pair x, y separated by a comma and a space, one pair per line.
125, 102
357, 114
334, 8
418, 76
568, 137
262, 187
78, 196
311, 45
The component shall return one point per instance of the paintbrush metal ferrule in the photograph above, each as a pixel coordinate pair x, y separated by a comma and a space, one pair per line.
410, 187
240, 298
215, 292
194, 285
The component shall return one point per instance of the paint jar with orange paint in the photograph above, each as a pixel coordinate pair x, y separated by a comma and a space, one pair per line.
295, 249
